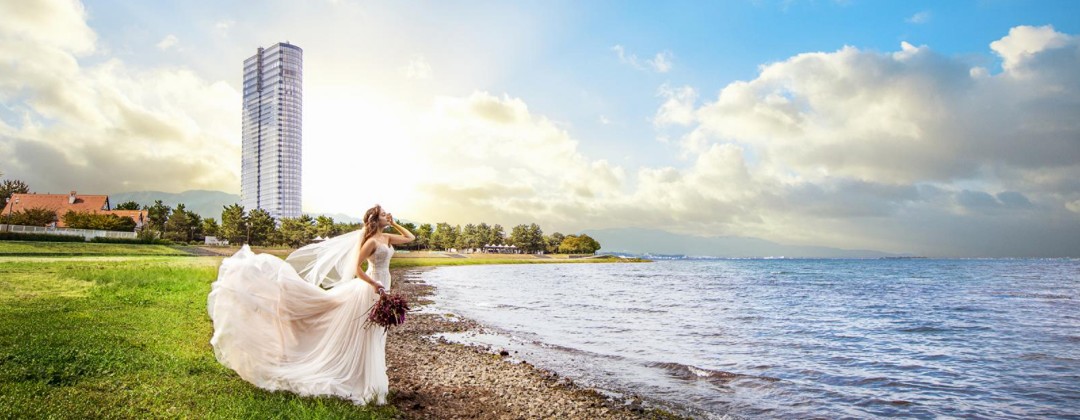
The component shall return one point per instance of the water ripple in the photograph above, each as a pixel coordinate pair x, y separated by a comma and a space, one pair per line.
798, 338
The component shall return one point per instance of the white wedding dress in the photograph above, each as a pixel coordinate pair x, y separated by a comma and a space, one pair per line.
278, 329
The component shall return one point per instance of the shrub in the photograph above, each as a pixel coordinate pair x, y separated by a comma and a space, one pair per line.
39, 237
88, 220
104, 240
31, 217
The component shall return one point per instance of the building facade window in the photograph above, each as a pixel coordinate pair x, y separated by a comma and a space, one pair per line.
272, 131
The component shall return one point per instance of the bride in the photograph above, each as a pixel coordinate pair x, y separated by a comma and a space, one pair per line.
278, 328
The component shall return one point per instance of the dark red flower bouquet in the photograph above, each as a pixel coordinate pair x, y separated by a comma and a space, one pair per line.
389, 311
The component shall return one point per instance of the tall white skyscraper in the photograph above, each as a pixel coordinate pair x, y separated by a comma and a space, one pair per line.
271, 154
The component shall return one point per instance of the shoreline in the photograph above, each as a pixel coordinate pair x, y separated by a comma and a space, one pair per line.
432, 378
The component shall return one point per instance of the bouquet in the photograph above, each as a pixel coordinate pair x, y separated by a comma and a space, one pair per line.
388, 311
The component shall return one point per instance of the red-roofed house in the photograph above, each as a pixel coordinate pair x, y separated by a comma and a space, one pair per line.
62, 203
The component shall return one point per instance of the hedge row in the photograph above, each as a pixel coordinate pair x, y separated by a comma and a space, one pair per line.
104, 240
39, 237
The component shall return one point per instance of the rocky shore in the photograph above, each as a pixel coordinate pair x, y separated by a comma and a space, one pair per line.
435, 379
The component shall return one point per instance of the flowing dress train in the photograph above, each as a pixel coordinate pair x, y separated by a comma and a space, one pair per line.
282, 332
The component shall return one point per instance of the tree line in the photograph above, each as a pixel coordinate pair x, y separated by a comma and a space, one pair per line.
526, 238
258, 227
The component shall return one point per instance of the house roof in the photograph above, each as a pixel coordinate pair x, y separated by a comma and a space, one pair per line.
58, 202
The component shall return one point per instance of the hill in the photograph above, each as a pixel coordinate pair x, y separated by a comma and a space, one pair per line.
205, 203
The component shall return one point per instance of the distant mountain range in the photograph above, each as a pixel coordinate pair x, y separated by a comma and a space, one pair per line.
645, 241
205, 203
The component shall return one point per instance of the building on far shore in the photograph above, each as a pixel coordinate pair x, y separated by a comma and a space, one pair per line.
501, 249
62, 203
270, 163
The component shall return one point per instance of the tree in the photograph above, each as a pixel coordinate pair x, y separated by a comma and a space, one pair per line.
32, 217
469, 238
210, 227
341, 228
261, 227
498, 237
444, 236
423, 236
551, 243
579, 244
195, 223
127, 205
296, 231
483, 233
324, 226
234, 224
536, 238
96, 221
10, 187
157, 215
528, 238
411, 227
178, 225
519, 237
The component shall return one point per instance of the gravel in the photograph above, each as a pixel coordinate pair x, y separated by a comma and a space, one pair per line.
436, 379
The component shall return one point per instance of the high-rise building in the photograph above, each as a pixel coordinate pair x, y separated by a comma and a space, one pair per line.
272, 131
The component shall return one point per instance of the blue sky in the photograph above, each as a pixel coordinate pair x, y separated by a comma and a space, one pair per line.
922, 127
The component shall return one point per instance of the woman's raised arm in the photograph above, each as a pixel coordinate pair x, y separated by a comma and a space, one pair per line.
403, 236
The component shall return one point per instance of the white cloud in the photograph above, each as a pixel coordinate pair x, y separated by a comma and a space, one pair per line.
1024, 42
417, 69
909, 151
919, 18
51, 24
224, 26
821, 124
168, 42
678, 107
626, 58
661, 63
107, 127
604, 120
846, 110
899, 151
490, 157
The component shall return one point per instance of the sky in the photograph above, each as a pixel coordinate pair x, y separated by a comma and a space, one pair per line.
921, 127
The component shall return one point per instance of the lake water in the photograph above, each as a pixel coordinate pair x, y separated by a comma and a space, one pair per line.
794, 338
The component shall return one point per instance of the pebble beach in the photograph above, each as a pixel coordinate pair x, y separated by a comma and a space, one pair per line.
431, 378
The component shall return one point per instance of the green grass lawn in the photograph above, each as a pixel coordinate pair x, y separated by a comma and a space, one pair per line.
126, 338
93, 330
18, 248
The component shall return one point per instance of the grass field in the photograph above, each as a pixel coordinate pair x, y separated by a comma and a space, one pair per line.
18, 248
126, 338
121, 331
